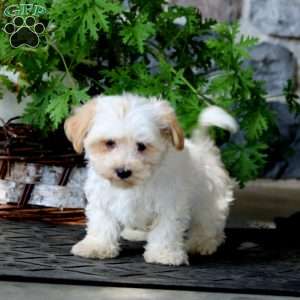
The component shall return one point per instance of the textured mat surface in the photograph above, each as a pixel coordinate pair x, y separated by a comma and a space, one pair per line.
251, 261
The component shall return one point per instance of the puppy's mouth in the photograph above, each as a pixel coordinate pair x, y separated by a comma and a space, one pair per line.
124, 183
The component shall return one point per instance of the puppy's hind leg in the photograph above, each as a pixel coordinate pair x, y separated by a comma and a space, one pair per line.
202, 242
206, 233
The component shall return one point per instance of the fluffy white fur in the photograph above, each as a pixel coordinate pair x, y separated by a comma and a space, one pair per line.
179, 195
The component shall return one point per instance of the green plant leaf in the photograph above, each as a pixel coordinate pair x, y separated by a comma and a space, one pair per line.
244, 161
292, 99
137, 32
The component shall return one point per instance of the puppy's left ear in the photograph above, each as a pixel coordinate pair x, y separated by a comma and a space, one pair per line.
169, 124
77, 125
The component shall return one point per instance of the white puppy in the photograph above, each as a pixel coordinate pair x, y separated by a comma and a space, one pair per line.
143, 174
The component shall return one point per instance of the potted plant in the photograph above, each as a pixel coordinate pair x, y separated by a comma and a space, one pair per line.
145, 47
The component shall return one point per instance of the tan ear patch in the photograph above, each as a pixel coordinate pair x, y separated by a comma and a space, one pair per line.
77, 125
171, 125
177, 134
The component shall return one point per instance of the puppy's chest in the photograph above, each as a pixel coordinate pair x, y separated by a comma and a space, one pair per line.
133, 208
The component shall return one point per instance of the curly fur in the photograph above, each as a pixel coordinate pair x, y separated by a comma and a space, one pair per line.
179, 193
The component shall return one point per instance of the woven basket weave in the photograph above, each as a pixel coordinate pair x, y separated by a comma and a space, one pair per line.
22, 143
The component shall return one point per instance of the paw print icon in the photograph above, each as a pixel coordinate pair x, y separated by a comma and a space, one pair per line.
24, 32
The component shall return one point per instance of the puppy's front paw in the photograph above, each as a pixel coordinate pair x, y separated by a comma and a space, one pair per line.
166, 257
92, 248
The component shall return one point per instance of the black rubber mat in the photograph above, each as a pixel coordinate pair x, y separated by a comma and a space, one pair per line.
251, 261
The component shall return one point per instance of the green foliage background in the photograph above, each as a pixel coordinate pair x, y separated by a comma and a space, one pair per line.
104, 46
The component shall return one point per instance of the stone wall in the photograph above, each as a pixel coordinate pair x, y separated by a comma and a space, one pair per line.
277, 25
216, 9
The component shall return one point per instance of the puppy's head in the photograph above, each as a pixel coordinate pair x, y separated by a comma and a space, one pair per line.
125, 137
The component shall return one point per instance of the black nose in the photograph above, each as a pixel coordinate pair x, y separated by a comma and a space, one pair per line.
123, 174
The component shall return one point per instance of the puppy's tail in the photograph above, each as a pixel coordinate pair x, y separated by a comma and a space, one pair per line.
214, 116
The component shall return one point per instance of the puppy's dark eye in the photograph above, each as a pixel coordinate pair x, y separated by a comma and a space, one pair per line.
141, 147
110, 144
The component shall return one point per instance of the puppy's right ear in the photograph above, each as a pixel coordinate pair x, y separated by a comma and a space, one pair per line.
77, 125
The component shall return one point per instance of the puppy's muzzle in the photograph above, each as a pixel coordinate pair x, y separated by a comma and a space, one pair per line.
123, 173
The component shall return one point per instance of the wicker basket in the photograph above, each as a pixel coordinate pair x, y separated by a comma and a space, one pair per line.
23, 148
